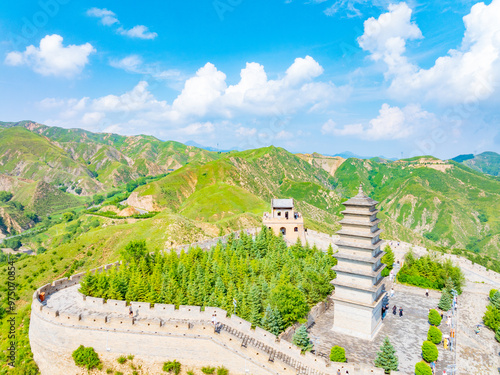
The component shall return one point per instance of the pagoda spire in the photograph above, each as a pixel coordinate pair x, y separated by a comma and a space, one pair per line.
359, 285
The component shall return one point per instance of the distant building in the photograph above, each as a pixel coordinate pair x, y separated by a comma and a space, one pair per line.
285, 220
359, 286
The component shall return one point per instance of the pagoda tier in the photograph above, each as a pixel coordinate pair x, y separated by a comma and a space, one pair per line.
359, 286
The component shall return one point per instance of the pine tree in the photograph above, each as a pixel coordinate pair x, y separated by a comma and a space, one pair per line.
386, 357
445, 301
272, 321
255, 303
301, 339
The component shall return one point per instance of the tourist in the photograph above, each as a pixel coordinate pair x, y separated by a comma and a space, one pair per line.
400, 312
394, 309
451, 343
338, 372
130, 312
214, 320
392, 292
445, 343
427, 292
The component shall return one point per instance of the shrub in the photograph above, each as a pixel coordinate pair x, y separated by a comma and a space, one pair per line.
222, 371
388, 258
491, 317
434, 335
492, 292
86, 357
386, 357
495, 300
445, 301
5, 196
130, 357
172, 366
337, 354
121, 359
208, 370
434, 318
429, 351
422, 368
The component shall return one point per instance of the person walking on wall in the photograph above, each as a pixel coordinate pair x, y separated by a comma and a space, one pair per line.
130, 312
394, 309
427, 292
400, 312
392, 292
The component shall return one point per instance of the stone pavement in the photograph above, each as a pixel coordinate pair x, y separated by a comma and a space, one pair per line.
406, 333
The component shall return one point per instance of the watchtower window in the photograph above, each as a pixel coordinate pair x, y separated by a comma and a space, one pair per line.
296, 229
279, 213
286, 215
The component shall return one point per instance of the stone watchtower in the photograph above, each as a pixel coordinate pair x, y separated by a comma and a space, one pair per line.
359, 287
285, 220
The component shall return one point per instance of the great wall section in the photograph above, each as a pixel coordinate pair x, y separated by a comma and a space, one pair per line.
68, 319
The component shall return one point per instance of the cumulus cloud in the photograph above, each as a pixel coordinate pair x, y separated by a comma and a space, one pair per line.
469, 73
206, 100
139, 31
391, 123
52, 58
106, 17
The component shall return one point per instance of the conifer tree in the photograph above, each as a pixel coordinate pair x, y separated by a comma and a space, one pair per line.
386, 357
445, 301
388, 258
272, 321
301, 339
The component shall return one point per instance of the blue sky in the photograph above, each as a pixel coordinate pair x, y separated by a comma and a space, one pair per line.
375, 78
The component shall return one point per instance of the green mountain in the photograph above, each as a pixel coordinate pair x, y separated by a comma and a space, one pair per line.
94, 162
487, 162
448, 204
243, 183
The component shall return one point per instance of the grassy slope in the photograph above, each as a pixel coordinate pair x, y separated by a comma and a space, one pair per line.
116, 159
444, 204
487, 162
244, 182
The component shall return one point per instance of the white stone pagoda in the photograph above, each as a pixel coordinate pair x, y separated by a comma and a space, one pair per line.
359, 286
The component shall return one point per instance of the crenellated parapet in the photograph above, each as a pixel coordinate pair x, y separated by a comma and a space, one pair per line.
185, 333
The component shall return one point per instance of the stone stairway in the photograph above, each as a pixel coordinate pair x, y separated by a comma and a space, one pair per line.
273, 353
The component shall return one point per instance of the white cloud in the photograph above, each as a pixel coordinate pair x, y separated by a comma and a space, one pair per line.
139, 31
245, 132
135, 64
386, 36
198, 128
391, 123
52, 58
205, 99
467, 74
107, 17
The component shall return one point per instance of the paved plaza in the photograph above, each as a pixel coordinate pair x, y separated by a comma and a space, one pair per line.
406, 333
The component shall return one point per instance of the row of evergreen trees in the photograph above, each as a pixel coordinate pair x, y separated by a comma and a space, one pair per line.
272, 285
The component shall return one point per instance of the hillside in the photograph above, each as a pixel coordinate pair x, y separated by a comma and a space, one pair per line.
487, 162
91, 161
447, 203
246, 182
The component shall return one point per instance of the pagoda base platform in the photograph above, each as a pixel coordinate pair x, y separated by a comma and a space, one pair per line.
357, 320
